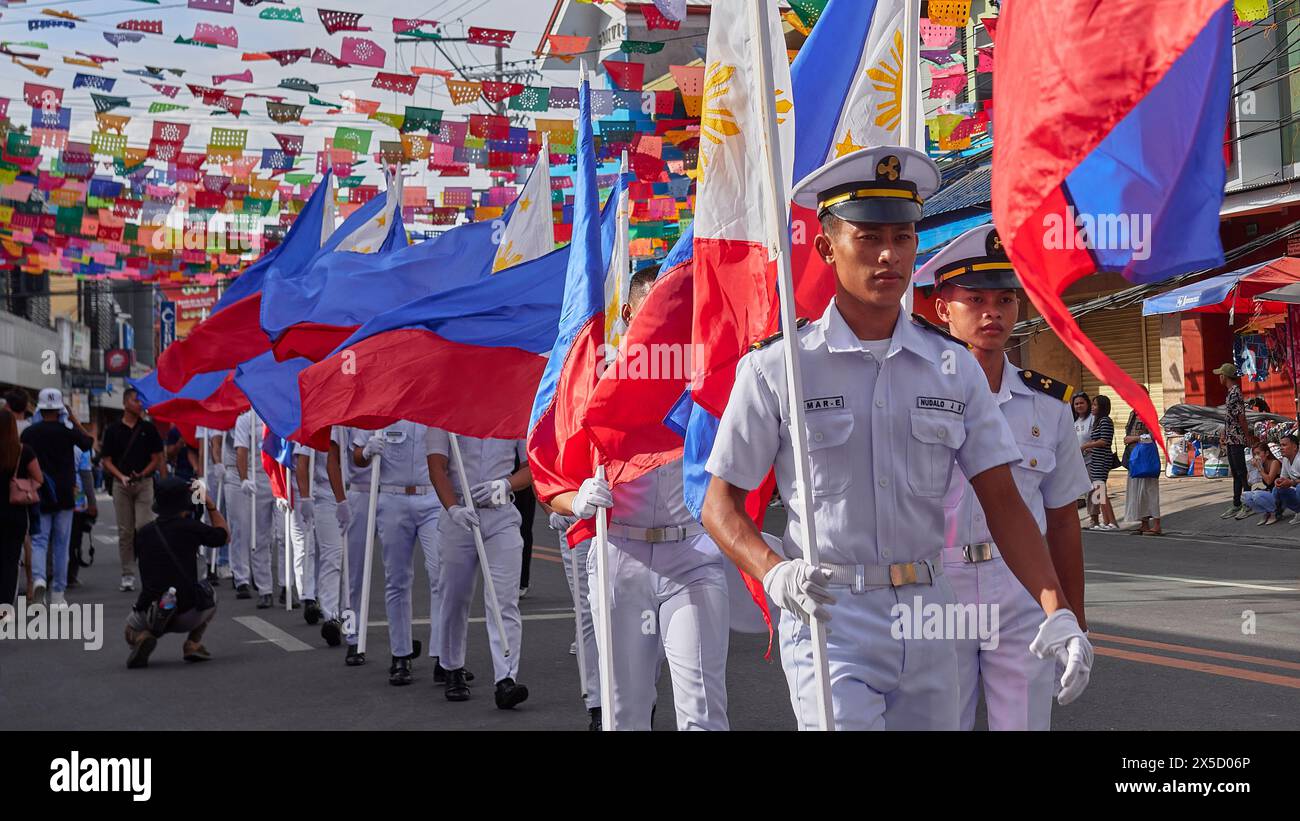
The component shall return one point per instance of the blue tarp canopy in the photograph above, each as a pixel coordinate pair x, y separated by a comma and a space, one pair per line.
1224, 292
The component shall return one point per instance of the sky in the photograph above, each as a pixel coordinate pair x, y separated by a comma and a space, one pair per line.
526, 17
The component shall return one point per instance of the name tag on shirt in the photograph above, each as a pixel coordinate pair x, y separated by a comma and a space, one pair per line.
935, 403
823, 403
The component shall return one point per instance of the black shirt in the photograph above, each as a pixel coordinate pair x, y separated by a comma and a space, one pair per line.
136, 458
53, 443
167, 549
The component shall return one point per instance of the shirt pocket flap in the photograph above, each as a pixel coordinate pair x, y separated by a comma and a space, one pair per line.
828, 429
1037, 457
938, 428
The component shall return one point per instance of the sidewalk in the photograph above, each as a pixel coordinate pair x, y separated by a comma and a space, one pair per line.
1190, 506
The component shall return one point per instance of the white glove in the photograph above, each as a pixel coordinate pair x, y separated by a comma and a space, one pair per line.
1060, 636
561, 522
494, 493
374, 447
464, 517
307, 511
281, 505
343, 513
592, 494
248, 487
800, 588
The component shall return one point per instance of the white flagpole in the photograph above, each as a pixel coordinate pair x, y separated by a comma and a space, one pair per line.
207, 491
254, 453
288, 540
604, 627
488, 587
911, 103
778, 217
363, 615
575, 588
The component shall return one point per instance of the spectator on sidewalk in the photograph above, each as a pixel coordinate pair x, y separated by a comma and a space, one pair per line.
168, 551
1286, 490
1263, 501
54, 440
1099, 452
1081, 405
85, 511
1235, 436
132, 452
15, 458
1141, 494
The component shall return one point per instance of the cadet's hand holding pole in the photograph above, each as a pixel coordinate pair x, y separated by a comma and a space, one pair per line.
363, 614
778, 217
488, 587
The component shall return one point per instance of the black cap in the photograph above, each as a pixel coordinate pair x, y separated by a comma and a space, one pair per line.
172, 496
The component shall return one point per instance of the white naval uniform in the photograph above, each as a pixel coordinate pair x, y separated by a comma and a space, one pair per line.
485, 460
356, 480
1018, 686
219, 495
407, 512
318, 567
247, 434
669, 602
578, 559
882, 437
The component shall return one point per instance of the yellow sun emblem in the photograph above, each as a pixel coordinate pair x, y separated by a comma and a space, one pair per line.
888, 77
783, 106
507, 258
717, 122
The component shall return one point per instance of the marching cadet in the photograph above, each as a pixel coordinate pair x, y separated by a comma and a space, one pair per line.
662, 563
489, 468
353, 520
977, 295
315, 516
214, 476
891, 404
575, 573
247, 440
407, 512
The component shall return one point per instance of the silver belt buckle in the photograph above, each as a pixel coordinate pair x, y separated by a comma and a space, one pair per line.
975, 553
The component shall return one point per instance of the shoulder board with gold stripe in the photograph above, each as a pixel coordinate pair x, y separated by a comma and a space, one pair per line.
1048, 385
930, 326
763, 343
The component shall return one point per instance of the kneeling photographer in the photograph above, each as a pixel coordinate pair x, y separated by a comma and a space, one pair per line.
168, 550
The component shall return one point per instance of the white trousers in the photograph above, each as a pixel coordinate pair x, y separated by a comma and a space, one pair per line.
669, 601
878, 682
577, 558
318, 564
504, 547
354, 539
244, 552
402, 522
1018, 687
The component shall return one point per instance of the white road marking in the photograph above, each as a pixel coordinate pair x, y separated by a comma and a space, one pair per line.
273, 634
1210, 582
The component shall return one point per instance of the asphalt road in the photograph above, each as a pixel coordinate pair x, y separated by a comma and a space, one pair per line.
1167, 617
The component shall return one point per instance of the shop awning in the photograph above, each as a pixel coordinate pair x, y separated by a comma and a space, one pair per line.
1234, 290
1289, 294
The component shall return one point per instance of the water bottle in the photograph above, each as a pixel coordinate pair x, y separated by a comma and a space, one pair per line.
168, 601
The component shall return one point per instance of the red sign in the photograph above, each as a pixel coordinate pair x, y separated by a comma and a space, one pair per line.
117, 361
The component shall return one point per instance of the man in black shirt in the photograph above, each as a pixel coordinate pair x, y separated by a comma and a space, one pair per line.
53, 443
168, 551
132, 452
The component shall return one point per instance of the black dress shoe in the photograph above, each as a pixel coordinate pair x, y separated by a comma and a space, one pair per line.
354, 659
457, 689
595, 725
332, 632
311, 611
264, 601
440, 672
509, 694
295, 604
399, 672
242, 592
